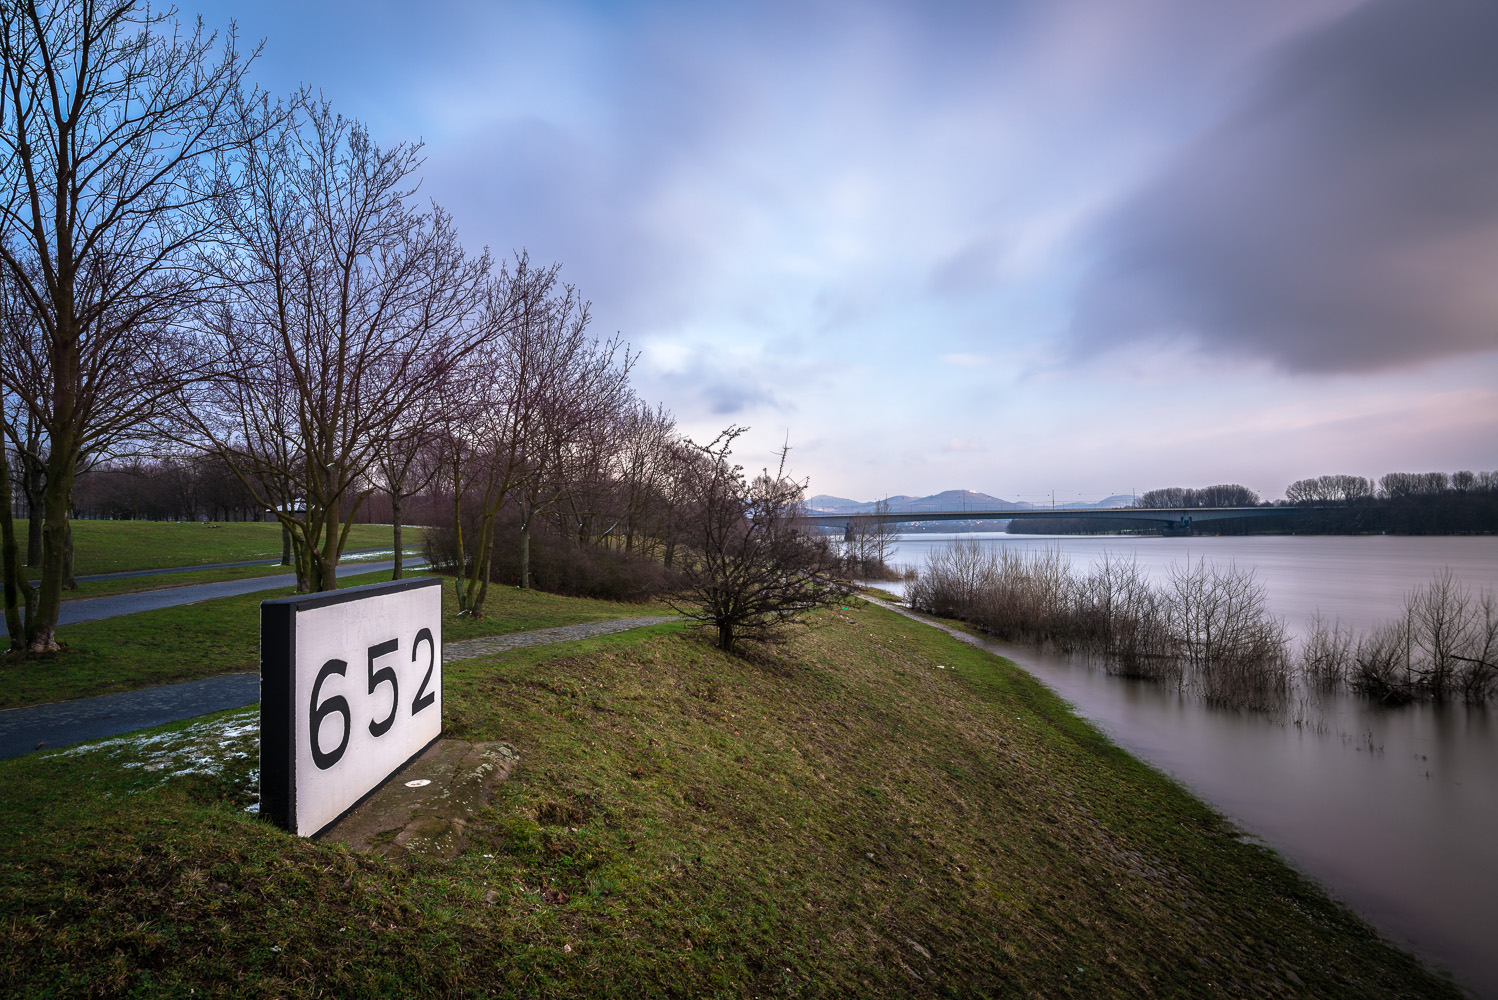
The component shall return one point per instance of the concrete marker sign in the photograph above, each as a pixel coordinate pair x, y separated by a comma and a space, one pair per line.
350, 692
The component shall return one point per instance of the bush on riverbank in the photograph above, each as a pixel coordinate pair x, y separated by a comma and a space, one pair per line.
1207, 629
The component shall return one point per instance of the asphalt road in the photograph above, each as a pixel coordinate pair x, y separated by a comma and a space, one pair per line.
41, 727
126, 574
63, 723
96, 608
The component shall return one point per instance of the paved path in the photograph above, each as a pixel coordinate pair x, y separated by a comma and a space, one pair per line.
42, 727
60, 724
192, 569
95, 608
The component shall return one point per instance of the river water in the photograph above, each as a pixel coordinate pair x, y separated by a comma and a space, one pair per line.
1394, 811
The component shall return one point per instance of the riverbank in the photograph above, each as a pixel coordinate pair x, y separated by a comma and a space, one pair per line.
871, 808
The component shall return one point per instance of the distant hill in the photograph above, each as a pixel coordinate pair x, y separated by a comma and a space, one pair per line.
1107, 503
946, 500
950, 500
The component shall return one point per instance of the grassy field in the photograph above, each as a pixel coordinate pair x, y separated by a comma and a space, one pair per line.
223, 636
872, 809
121, 546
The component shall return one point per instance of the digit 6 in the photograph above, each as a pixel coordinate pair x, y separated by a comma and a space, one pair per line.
338, 703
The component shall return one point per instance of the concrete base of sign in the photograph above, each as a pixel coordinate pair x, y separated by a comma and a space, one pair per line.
427, 820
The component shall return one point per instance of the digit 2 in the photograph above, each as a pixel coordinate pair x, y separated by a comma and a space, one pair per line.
424, 698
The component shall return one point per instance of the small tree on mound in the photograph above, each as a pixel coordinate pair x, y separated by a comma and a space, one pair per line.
751, 565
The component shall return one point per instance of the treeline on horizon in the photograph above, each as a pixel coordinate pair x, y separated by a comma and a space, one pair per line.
1400, 503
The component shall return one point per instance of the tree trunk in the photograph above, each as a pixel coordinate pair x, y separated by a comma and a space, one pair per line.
33, 476
395, 519
302, 556
56, 503
458, 535
32, 486
285, 545
525, 554
725, 637
68, 583
327, 565
18, 611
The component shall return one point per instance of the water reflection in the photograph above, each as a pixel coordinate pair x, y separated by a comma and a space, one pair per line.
1393, 810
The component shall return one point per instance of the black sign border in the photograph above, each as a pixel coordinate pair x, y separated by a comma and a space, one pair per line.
278, 697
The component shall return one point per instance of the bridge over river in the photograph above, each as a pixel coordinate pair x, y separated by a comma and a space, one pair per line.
1172, 519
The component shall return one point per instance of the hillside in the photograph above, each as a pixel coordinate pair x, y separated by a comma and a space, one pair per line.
871, 809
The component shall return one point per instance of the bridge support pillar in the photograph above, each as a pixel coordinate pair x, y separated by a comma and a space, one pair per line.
1177, 529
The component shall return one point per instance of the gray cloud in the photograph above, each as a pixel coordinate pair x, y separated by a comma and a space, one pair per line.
1344, 218
718, 385
974, 268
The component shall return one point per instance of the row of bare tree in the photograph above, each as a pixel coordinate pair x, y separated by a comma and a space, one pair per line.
1333, 489
1222, 495
188, 267
1390, 486
177, 488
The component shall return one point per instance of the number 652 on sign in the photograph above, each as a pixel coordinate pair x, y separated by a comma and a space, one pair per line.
351, 690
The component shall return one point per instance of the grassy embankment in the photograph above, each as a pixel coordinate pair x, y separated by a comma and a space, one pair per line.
223, 636
871, 809
128, 546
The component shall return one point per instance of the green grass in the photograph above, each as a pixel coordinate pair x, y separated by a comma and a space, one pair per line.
223, 636
121, 546
834, 817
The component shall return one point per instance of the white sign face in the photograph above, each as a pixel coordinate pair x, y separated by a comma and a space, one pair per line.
357, 694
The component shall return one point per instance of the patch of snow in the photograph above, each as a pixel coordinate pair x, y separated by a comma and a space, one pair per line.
220, 748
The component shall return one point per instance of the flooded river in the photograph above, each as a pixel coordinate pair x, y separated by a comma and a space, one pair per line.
1395, 811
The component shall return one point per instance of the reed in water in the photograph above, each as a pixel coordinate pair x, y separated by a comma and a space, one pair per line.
1206, 629
1444, 647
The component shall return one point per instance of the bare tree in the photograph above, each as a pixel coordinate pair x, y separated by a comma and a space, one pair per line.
342, 307
406, 464
110, 118
487, 410
752, 566
643, 467
1329, 489
578, 413
546, 386
1221, 495
867, 549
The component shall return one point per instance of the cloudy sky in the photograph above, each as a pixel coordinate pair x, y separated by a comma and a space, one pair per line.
1089, 247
